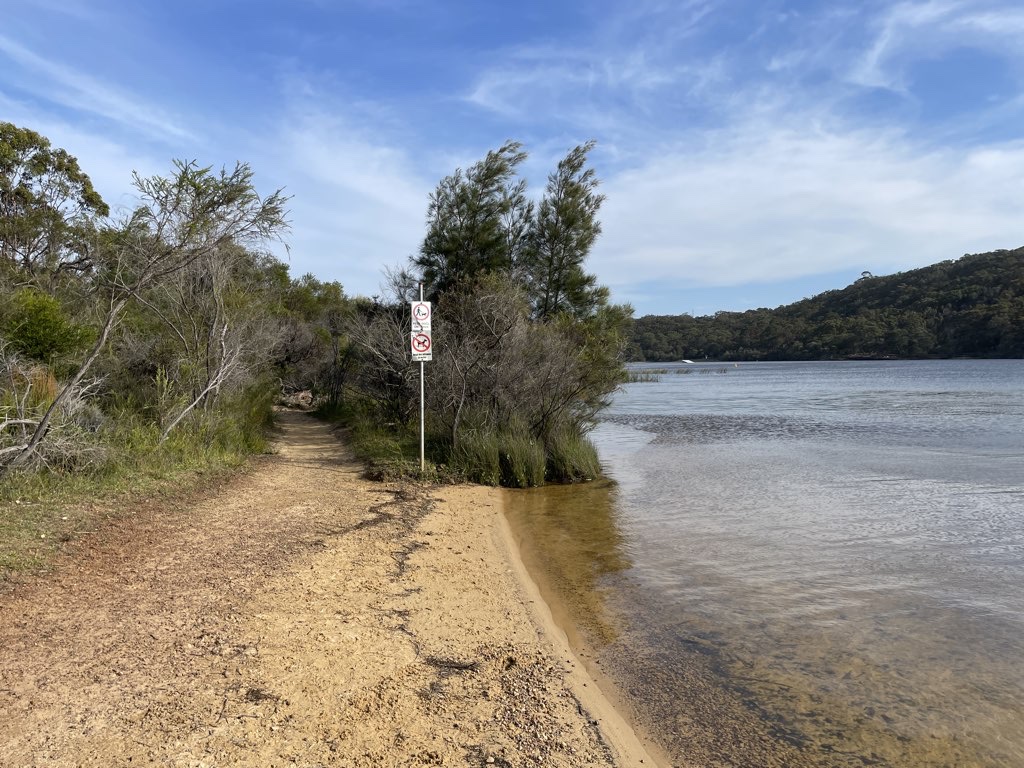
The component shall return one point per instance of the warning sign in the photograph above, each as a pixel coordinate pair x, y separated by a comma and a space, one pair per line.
421, 342
421, 347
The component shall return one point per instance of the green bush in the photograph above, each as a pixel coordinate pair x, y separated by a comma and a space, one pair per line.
35, 325
522, 461
478, 456
572, 458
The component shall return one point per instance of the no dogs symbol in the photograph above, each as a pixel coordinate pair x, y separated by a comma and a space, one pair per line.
420, 343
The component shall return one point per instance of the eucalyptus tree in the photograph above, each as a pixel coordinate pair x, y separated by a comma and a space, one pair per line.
48, 207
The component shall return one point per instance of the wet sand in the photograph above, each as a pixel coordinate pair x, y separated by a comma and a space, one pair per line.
671, 686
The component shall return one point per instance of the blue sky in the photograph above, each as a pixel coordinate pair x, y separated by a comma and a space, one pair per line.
753, 152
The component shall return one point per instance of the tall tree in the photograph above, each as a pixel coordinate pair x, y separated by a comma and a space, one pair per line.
477, 221
565, 231
48, 206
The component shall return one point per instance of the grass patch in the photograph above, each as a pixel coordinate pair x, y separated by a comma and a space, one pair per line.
390, 451
572, 458
510, 458
634, 377
44, 509
41, 511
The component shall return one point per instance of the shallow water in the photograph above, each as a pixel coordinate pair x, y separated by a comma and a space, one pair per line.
812, 563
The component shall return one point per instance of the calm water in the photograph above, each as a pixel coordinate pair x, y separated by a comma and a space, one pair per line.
806, 563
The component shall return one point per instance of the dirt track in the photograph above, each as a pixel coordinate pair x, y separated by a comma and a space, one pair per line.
298, 616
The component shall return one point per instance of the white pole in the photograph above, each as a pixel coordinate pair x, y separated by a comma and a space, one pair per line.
422, 407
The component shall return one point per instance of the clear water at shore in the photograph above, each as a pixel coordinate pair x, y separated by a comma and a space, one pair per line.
807, 563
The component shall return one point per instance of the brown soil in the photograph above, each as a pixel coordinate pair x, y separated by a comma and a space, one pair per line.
297, 616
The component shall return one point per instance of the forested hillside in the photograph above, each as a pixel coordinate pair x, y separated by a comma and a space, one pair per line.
968, 307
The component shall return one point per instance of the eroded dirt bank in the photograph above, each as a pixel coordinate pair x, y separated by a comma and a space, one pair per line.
299, 616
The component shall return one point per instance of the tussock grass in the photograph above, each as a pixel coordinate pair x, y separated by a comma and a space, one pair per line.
478, 457
508, 456
40, 510
522, 461
572, 458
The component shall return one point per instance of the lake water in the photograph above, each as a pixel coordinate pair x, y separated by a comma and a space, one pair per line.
814, 564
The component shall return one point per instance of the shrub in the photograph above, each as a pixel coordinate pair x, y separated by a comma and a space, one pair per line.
572, 458
522, 461
37, 327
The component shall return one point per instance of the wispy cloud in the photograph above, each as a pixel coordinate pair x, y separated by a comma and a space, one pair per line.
82, 10
913, 31
542, 77
358, 201
1007, 23
739, 141
72, 89
756, 163
629, 60
769, 202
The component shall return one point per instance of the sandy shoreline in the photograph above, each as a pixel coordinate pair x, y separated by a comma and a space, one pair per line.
595, 692
300, 616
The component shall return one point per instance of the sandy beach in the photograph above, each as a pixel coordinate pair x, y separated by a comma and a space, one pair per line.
299, 615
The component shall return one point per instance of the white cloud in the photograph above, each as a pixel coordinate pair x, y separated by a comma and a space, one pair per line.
1007, 23
628, 61
73, 89
767, 202
358, 204
921, 30
534, 78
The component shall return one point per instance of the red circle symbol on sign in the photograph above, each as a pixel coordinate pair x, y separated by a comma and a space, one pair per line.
421, 342
421, 312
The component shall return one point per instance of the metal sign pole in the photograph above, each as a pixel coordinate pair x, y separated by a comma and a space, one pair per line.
422, 407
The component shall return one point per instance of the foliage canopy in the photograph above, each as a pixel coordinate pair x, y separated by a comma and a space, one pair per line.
527, 347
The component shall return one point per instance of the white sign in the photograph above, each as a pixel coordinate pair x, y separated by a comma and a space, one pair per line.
421, 314
420, 341
421, 347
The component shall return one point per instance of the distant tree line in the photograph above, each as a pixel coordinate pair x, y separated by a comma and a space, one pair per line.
968, 307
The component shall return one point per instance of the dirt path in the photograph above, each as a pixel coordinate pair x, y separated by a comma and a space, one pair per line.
298, 616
